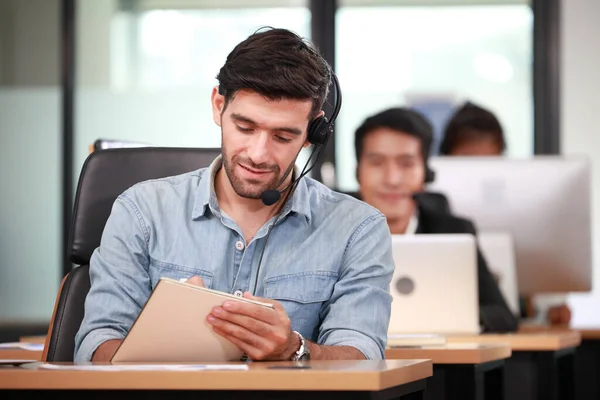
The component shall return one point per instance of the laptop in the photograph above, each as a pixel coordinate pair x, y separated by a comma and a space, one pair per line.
498, 249
434, 286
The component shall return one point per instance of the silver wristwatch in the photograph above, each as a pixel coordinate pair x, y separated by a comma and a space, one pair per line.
303, 354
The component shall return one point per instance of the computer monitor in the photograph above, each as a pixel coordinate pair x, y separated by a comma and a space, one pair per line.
498, 249
543, 202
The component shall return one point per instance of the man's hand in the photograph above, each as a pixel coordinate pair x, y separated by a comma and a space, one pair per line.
559, 315
262, 333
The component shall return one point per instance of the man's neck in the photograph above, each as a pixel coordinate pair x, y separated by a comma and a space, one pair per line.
399, 225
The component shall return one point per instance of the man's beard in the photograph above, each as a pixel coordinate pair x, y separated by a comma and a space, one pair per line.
252, 189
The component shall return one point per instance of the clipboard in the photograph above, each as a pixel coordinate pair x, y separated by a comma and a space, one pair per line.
172, 327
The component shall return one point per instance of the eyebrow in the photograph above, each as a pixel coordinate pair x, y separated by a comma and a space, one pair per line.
241, 118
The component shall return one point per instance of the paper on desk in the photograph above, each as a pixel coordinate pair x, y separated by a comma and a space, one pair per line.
22, 346
148, 367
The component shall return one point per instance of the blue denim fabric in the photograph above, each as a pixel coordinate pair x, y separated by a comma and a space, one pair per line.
328, 260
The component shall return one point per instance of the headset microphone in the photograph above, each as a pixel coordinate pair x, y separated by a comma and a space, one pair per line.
270, 197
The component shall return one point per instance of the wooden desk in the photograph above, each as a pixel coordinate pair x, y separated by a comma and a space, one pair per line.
33, 339
461, 370
587, 358
528, 341
322, 380
542, 365
20, 354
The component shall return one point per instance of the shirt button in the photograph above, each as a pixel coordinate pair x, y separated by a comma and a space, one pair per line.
239, 245
238, 293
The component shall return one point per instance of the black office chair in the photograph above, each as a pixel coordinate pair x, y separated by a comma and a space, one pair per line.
104, 176
105, 144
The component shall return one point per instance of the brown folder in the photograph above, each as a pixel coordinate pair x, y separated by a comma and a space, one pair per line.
172, 327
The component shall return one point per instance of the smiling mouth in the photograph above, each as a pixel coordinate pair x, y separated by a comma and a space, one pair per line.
255, 171
393, 197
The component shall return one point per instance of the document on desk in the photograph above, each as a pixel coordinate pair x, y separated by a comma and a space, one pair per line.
147, 367
22, 346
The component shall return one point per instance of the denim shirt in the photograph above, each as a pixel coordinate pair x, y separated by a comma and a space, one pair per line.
328, 260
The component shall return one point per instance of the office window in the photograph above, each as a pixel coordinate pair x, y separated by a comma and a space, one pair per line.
146, 68
433, 58
167, 48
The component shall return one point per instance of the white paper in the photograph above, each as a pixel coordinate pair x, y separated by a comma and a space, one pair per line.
22, 346
147, 367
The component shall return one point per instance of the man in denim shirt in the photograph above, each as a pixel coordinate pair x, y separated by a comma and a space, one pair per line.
327, 265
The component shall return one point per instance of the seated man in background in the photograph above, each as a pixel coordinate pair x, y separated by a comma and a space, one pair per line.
392, 149
475, 131
328, 265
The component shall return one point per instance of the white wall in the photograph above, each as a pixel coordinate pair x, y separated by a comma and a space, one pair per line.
580, 106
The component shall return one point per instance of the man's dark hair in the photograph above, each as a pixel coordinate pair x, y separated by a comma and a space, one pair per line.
402, 120
471, 122
277, 64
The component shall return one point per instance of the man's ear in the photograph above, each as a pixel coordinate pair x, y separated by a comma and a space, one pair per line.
357, 177
218, 105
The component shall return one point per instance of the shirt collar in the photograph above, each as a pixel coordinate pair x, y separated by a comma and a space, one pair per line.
206, 197
413, 223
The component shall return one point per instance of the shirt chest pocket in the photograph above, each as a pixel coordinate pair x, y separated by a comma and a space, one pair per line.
159, 269
302, 295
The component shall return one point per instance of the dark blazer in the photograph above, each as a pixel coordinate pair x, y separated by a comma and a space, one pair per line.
494, 314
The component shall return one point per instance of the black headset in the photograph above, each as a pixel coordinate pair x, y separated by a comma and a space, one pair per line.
321, 128
429, 173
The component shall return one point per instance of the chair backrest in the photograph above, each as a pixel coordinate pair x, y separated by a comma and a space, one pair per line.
104, 176
104, 144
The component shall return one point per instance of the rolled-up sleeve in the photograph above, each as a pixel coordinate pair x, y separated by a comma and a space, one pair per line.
120, 283
358, 312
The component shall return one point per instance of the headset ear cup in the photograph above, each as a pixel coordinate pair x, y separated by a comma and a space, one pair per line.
429, 175
318, 129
